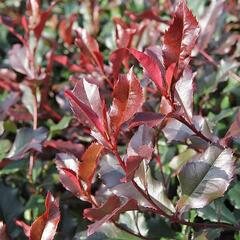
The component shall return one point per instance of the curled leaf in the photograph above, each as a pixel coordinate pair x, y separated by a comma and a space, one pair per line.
45, 226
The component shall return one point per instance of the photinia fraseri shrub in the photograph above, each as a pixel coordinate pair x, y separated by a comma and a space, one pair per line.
147, 155
126, 180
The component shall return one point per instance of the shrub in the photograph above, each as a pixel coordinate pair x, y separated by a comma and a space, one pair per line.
152, 150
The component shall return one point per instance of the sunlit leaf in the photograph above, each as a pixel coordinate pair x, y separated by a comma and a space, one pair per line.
205, 178
180, 38
45, 226
127, 99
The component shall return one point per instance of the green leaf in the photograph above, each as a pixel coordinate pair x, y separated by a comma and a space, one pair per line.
234, 195
217, 212
10, 126
1, 128
55, 129
205, 177
10, 206
159, 228
5, 145
178, 161
14, 166
107, 232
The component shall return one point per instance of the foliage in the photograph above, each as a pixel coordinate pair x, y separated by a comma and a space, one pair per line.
152, 148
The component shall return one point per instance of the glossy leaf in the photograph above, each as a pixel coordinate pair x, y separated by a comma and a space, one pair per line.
184, 92
45, 226
150, 119
141, 143
19, 61
86, 104
110, 209
117, 57
180, 38
205, 178
151, 66
67, 166
89, 161
127, 99
90, 47
27, 139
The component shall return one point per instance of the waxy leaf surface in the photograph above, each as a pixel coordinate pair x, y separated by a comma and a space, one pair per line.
205, 177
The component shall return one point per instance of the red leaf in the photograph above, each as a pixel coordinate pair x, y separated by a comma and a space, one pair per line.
65, 29
180, 38
86, 104
127, 99
89, 47
68, 174
24, 226
117, 57
151, 66
111, 208
124, 33
149, 118
76, 149
45, 226
169, 77
89, 161
233, 131
132, 164
44, 16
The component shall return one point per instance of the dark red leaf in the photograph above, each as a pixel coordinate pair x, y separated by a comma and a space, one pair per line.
68, 174
124, 33
180, 38
89, 47
127, 99
151, 66
76, 149
117, 57
169, 77
45, 226
65, 29
132, 164
149, 118
86, 104
44, 16
110, 209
